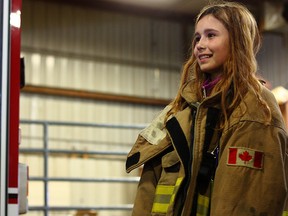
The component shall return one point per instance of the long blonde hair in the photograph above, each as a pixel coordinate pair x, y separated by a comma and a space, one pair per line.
239, 71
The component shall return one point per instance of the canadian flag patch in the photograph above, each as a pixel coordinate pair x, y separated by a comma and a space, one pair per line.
245, 157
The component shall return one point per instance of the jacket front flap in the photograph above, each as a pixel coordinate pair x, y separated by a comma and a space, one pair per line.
143, 151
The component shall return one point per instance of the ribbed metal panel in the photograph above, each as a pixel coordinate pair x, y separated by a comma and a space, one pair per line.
101, 51
273, 58
79, 48
96, 51
88, 49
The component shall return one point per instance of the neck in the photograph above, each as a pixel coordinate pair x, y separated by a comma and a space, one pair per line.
209, 84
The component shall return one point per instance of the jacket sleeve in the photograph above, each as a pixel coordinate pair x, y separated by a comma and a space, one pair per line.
146, 188
251, 177
286, 170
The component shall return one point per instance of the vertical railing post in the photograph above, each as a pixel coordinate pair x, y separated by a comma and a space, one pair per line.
46, 154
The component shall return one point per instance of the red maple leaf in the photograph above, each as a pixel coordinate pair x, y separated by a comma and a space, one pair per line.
245, 156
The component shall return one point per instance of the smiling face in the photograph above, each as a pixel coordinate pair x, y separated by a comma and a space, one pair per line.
211, 42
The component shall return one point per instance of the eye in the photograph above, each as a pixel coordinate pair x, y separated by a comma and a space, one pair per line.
211, 35
197, 38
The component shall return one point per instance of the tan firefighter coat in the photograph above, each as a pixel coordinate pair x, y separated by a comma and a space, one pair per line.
252, 172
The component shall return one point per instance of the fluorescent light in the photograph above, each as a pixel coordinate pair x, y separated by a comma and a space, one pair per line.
15, 19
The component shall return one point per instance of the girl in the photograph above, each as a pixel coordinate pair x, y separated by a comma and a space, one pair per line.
220, 147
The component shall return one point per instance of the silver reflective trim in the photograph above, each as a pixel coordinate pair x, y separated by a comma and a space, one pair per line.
4, 105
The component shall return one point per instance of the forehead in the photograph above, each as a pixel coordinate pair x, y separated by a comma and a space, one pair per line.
209, 22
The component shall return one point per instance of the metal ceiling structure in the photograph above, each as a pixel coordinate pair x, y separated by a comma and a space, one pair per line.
268, 13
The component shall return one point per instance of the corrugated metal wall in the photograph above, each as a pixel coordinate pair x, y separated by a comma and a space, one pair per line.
88, 49
273, 59
100, 51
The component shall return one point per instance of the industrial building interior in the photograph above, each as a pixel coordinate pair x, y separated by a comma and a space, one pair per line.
96, 73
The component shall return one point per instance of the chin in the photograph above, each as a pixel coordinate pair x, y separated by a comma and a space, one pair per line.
207, 70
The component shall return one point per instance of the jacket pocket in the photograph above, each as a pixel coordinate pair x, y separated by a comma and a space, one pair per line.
165, 190
171, 166
170, 162
167, 184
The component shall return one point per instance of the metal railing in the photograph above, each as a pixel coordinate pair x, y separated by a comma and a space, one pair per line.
45, 151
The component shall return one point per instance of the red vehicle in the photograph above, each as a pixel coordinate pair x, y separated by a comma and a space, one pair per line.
10, 90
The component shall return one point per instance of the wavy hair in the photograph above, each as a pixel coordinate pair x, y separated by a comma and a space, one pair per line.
239, 71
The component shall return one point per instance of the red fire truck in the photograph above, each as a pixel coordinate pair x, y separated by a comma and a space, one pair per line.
11, 187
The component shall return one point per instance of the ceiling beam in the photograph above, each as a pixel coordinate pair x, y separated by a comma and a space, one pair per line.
166, 14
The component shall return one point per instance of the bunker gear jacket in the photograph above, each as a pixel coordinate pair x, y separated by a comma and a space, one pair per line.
252, 162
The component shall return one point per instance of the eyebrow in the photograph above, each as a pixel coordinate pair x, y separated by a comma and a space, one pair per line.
207, 30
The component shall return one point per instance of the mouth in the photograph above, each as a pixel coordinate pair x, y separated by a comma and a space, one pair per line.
204, 56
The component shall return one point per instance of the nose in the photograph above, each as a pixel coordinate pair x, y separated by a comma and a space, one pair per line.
200, 47
201, 44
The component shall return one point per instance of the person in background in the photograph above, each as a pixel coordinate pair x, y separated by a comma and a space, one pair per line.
220, 147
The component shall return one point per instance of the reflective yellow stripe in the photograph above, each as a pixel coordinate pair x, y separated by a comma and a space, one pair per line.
178, 182
203, 200
202, 205
164, 196
172, 198
164, 189
285, 213
160, 208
